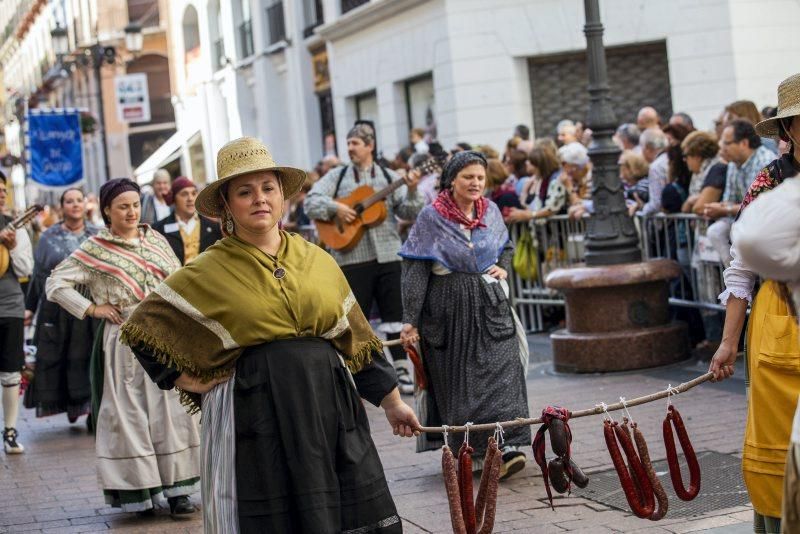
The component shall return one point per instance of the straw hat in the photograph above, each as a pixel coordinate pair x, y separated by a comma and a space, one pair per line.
788, 106
243, 156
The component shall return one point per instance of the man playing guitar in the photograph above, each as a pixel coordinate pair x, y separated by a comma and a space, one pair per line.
372, 267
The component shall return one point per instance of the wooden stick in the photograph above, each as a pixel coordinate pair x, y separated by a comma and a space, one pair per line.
597, 410
392, 342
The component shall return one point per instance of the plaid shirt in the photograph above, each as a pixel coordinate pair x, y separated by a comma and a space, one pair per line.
380, 243
738, 179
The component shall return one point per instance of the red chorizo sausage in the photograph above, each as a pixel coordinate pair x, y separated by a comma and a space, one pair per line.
491, 494
465, 478
453, 493
658, 489
480, 500
674, 418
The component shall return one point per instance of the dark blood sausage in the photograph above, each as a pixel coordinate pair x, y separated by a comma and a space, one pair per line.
578, 476
453, 493
658, 489
558, 475
491, 494
465, 486
480, 500
559, 440
612, 433
674, 418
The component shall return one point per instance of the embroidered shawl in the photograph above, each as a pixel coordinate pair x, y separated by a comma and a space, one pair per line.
138, 264
204, 315
771, 177
434, 237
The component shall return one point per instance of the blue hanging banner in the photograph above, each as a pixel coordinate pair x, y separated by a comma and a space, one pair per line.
54, 147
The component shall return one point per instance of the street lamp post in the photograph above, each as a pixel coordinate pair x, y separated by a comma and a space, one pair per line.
611, 234
617, 306
96, 56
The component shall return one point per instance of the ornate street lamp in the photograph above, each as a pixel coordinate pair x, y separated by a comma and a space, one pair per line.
617, 306
60, 40
134, 40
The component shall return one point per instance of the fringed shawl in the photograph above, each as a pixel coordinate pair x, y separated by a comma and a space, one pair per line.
434, 237
203, 316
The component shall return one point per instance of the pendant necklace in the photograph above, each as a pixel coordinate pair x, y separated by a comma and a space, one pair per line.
279, 271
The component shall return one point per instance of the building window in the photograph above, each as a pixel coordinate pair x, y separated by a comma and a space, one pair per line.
218, 59
367, 107
420, 104
191, 46
275, 20
158, 87
246, 30
143, 12
312, 15
349, 5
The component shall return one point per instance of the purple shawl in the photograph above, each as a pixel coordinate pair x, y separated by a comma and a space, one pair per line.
435, 238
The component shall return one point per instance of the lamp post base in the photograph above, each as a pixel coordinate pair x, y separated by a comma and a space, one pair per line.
617, 318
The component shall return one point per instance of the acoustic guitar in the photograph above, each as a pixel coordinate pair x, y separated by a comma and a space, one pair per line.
16, 224
370, 209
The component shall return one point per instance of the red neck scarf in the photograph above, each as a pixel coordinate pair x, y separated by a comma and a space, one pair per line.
447, 208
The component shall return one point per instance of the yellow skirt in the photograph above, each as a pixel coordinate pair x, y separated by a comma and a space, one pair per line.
773, 366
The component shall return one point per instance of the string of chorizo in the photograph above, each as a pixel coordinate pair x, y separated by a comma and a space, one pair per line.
673, 418
491, 494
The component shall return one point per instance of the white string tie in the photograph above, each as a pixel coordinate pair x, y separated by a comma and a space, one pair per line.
445, 427
466, 437
625, 408
670, 392
604, 406
499, 433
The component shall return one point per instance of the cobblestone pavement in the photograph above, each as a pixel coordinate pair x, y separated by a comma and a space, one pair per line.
53, 486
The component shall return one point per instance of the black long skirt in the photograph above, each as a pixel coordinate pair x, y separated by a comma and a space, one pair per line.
64, 348
305, 460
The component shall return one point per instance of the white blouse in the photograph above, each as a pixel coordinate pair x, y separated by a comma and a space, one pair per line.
60, 288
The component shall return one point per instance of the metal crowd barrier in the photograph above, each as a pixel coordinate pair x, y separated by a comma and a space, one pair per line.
560, 243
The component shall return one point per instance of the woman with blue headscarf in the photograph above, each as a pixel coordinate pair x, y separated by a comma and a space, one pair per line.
456, 304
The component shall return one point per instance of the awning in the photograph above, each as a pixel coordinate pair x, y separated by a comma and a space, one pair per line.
166, 153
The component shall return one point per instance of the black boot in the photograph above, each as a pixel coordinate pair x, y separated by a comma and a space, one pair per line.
180, 506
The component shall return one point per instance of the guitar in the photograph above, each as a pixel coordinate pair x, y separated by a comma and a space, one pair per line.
16, 224
370, 208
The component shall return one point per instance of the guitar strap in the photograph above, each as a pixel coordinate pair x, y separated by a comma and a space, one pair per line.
355, 174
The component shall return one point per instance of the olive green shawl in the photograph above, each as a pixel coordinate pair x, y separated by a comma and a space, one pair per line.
200, 319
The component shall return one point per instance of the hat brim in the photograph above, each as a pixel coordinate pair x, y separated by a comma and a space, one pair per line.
769, 127
209, 202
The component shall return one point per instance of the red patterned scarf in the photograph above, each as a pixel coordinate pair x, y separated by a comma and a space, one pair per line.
447, 208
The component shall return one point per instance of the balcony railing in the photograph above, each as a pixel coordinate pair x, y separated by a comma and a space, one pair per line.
246, 38
349, 5
277, 25
218, 60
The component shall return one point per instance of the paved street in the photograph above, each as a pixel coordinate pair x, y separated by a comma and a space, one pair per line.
53, 488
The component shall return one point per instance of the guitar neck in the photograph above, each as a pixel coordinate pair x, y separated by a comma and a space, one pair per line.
383, 193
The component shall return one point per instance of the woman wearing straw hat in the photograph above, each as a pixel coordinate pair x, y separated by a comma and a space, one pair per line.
773, 351
286, 443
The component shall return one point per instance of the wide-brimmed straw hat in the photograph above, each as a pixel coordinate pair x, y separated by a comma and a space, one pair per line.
243, 156
788, 106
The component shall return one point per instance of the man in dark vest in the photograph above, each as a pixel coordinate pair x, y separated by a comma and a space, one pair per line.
12, 315
187, 232
372, 268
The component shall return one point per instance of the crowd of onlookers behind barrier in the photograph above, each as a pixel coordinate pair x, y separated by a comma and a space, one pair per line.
683, 185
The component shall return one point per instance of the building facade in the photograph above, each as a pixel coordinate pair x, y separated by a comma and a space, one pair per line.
83, 77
